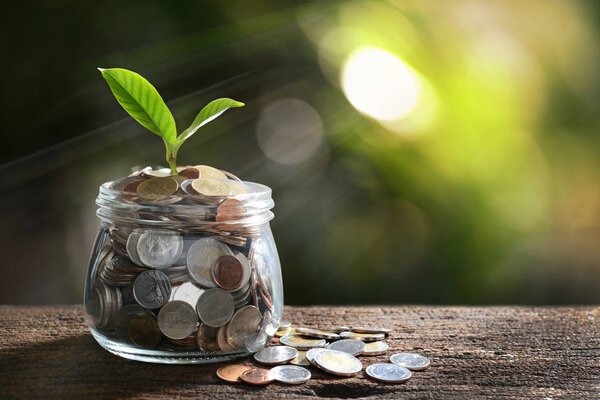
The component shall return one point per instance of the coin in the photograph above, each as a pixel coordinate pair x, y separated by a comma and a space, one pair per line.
151, 289
416, 362
227, 272
284, 324
365, 337
190, 173
317, 333
390, 373
206, 338
275, 355
231, 373
300, 359
201, 256
165, 186
158, 173
124, 317
244, 322
350, 346
246, 267
302, 343
290, 374
143, 331
222, 339
177, 319
336, 329
256, 376
236, 188
210, 187
285, 332
338, 362
375, 348
131, 247
159, 248
371, 330
310, 355
215, 307
187, 292
208, 172
132, 186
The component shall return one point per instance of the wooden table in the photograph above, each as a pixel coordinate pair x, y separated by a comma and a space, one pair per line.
494, 352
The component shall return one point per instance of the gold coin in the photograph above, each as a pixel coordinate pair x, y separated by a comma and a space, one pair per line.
302, 343
365, 337
285, 331
211, 187
300, 359
207, 172
231, 373
375, 348
162, 186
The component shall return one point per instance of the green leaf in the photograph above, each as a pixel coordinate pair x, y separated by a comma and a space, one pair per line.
141, 100
211, 111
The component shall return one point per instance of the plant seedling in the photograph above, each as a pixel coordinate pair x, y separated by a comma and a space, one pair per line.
141, 100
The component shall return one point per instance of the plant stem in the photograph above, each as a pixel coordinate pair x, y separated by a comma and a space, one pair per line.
172, 158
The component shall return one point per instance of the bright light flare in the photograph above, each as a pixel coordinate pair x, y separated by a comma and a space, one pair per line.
379, 84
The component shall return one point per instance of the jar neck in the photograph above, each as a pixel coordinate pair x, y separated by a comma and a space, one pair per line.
204, 212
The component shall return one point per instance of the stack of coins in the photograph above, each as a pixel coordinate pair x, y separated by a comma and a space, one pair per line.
334, 350
199, 286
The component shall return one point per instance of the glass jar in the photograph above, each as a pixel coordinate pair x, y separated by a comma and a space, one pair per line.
183, 279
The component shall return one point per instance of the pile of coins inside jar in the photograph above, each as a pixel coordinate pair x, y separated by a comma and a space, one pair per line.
199, 286
333, 350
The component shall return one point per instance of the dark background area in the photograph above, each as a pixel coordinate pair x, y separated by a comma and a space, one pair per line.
486, 192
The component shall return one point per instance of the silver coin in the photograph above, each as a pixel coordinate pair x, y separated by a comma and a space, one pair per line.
290, 374
215, 307
350, 346
416, 362
275, 355
284, 324
124, 317
375, 348
302, 343
187, 292
362, 329
200, 258
159, 248
131, 247
151, 289
365, 337
337, 362
390, 373
256, 341
317, 333
246, 268
311, 354
177, 319
244, 323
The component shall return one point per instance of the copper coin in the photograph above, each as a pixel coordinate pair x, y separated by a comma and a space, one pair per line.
230, 210
227, 272
231, 373
190, 173
132, 186
256, 376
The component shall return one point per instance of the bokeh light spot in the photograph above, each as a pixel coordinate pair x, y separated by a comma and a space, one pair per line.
379, 84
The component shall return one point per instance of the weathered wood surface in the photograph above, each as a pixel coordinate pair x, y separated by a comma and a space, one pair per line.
475, 352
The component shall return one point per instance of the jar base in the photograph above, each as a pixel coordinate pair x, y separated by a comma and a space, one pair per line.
164, 356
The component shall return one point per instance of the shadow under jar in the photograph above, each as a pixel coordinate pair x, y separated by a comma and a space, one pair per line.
184, 279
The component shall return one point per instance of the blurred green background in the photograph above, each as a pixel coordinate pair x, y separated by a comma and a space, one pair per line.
419, 151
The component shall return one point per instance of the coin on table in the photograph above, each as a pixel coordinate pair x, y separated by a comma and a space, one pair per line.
177, 319
257, 376
206, 338
201, 256
152, 289
164, 186
317, 333
215, 307
365, 337
300, 359
190, 173
210, 187
227, 272
311, 354
143, 331
416, 362
375, 348
302, 343
187, 292
390, 373
284, 324
275, 355
361, 329
231, 373
290, 374
336, 329
159, 248
350, 346
337, 362
285, 332
208, 172
131, 247
244, 323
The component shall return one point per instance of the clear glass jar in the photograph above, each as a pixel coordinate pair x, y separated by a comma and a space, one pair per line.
184, 278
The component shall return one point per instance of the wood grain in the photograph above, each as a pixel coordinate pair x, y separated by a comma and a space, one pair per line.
475, 352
